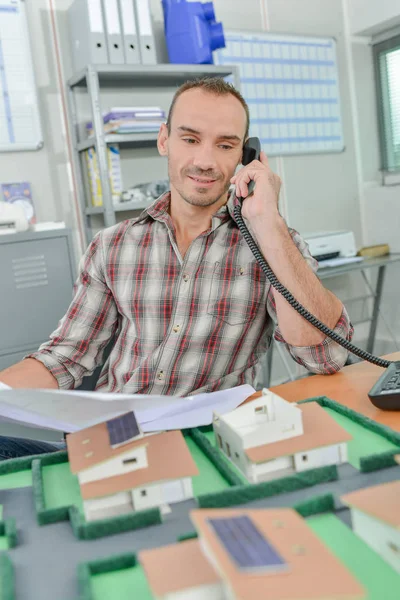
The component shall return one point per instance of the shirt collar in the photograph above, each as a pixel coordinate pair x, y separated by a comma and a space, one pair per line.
158, 210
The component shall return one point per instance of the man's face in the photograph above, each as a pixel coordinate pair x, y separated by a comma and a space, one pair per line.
204, 145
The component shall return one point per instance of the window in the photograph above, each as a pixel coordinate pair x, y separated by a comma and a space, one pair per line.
143, 493
128, 461
387, 69
228, 449
304, 458
219, 439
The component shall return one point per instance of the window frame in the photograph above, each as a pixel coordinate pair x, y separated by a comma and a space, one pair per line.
392, 43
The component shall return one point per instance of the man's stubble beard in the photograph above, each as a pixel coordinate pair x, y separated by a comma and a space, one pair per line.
196, 200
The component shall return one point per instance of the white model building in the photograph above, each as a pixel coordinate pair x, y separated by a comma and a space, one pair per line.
139, 472
269, 437
375, 518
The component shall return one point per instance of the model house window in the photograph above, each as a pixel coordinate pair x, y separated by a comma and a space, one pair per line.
394, 547
228, 449
143, 493
304, 458
219, 440
288, 428
129, 461
236, 455
260, 410
387, 69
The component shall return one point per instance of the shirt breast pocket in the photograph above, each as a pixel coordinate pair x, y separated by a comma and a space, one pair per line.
236, 292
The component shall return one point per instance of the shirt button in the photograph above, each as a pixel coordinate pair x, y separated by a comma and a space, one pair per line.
241, 270
176, 328
160, 375
186, 277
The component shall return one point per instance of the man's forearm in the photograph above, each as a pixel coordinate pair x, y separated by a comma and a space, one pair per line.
277, 246
29, 373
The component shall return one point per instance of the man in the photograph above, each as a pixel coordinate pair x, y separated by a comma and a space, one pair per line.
177, 288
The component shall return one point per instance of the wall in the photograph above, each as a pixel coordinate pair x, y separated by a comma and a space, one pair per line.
333, 191
379, 203
46, 169
369, 17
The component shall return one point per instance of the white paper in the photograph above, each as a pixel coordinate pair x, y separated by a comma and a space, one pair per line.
201, 413
70, 411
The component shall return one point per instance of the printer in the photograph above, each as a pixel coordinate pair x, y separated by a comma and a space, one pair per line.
12, 218
331, 244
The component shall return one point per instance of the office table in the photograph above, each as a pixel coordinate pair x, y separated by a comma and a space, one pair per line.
350, 387
368, 263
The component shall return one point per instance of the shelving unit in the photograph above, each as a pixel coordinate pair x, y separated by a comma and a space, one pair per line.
96, 77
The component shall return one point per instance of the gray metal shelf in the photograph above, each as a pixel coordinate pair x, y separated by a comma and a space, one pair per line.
124, 206
148, 75
96, 77
128, 140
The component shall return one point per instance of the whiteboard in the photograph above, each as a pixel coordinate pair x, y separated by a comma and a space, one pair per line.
291, 85
20, 127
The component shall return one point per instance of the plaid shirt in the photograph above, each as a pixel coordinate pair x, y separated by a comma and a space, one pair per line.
181, 325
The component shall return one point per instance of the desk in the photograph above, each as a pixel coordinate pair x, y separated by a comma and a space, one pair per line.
349, 387
368, 263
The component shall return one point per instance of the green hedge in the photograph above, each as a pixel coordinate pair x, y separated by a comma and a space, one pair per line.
247, 493
103, 565
7, 578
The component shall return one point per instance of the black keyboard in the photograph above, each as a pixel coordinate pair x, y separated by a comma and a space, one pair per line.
385, 394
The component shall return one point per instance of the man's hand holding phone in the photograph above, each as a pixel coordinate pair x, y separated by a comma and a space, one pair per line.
263, 202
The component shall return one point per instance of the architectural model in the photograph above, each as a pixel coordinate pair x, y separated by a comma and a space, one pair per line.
375, 519
270, 437
120, 470
248, 555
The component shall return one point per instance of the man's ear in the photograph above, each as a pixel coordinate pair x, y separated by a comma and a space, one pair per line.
162, 140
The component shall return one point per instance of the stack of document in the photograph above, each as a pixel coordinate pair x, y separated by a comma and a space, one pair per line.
69, 411
131, 119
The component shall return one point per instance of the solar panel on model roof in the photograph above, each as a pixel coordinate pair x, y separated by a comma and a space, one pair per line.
123, 429
246, 544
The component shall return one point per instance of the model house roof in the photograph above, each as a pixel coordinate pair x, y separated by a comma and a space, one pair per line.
379, 501
91, 446
177, 567
313, 571
320, 429
168, 458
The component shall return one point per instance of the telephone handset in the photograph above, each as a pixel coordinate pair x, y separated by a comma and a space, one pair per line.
251, 151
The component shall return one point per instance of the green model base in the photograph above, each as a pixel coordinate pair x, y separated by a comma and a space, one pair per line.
82, 530
115, 577
373, 446
379, 579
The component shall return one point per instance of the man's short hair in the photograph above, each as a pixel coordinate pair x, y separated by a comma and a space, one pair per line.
211, 85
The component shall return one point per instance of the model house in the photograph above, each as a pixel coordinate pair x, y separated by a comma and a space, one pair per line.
375, 518
270, 437
121, 470
248, 555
